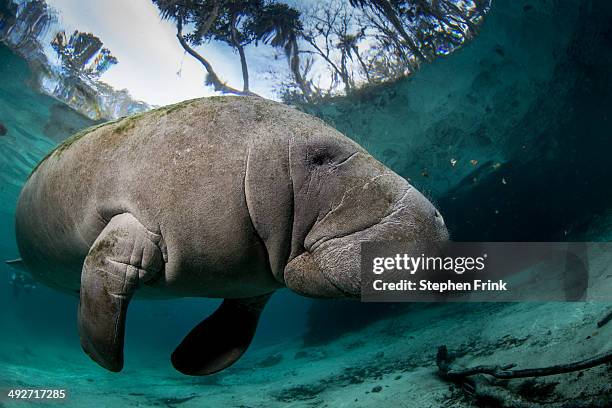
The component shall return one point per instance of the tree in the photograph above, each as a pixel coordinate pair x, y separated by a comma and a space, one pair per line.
375, 41
8, 14
425, 28
390, 12
280, 26
355, 41
82, 55
227, 21
233, 27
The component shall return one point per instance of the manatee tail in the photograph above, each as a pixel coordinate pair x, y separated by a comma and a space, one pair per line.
17, 264
220, 339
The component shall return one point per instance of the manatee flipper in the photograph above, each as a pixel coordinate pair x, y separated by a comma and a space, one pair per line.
221, 339
124, 255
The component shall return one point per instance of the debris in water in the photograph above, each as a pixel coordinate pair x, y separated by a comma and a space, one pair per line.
473, 162
605, 320
453, 162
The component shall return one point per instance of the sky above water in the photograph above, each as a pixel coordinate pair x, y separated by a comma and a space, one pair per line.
152, 65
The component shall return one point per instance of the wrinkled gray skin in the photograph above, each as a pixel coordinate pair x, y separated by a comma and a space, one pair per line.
220, 197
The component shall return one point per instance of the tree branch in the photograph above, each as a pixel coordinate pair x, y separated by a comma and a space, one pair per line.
212, 77
294, 66
607, 318
444, 360
387, 9
243, 62
210, 20
323, 55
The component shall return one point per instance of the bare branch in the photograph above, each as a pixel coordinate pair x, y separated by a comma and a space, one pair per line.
243, 63
212, 77
607, 319
506, 372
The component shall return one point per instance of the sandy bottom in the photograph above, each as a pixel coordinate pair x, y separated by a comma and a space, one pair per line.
390, 363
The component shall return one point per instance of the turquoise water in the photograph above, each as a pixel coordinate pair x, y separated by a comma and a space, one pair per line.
524, 109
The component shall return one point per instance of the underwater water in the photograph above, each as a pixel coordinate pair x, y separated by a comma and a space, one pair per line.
524, 109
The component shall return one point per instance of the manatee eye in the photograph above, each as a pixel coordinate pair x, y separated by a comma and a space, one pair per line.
321, 158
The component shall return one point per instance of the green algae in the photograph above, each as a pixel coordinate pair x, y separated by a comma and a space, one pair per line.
68, 142
123, 125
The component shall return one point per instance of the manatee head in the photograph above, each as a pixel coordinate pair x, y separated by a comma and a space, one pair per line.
343, 197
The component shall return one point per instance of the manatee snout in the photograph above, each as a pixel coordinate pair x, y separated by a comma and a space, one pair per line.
330, 265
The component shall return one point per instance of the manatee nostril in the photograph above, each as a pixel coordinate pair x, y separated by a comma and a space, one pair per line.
438, 217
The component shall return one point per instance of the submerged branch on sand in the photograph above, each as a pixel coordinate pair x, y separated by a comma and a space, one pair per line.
505, 372
607, 318
444, 362
475, 382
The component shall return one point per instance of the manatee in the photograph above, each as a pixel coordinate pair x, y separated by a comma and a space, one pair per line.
223, 197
